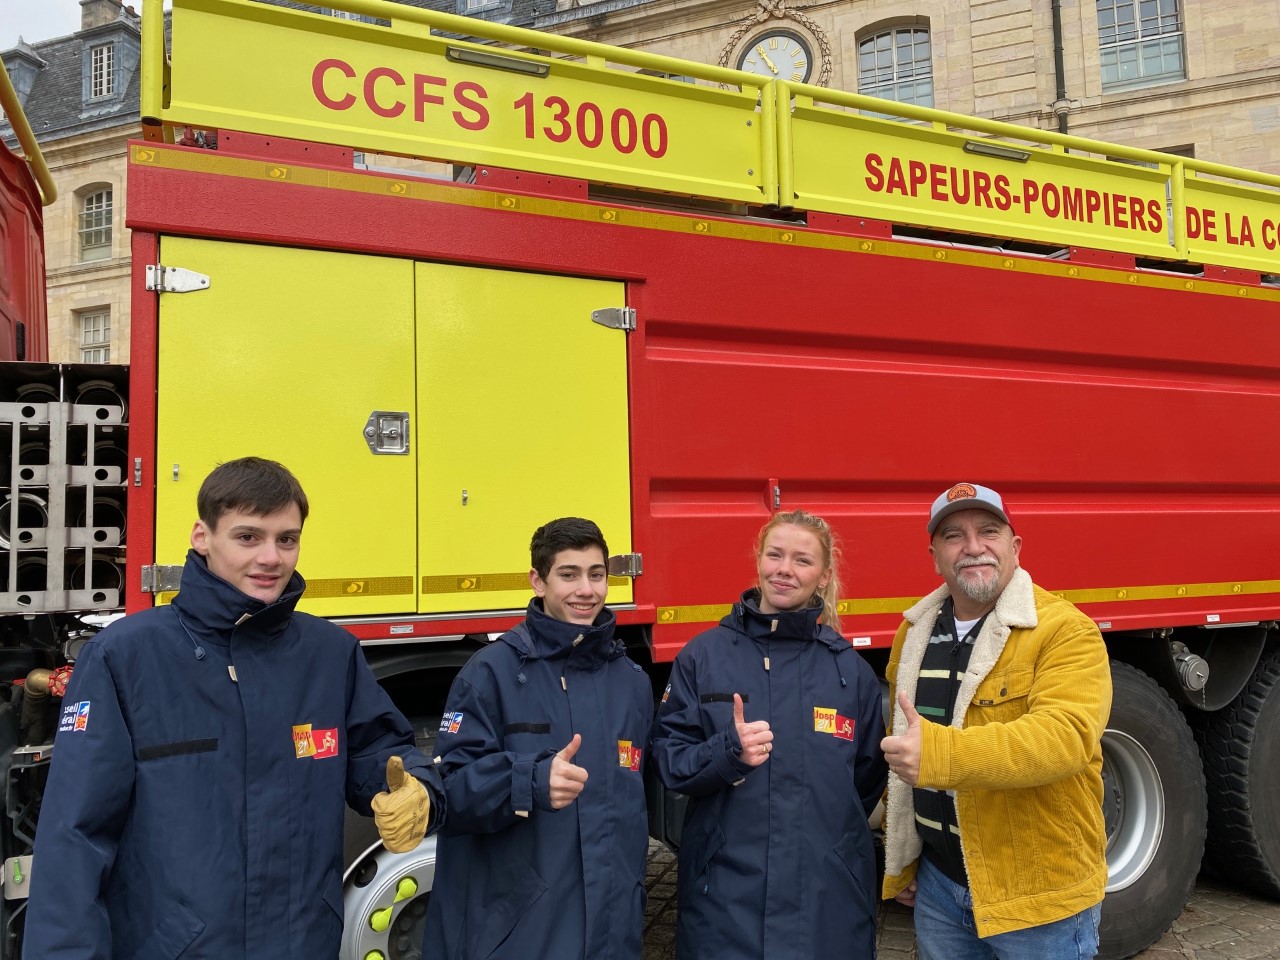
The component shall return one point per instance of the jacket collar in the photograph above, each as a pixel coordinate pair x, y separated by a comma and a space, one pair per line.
1015, 609
213, 608
747, 618
543, 637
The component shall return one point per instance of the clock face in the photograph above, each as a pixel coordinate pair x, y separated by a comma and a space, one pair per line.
778, 54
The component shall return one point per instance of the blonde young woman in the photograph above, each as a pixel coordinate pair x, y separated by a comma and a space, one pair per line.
772, 725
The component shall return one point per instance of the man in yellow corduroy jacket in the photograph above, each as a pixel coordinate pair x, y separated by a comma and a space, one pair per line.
993, 814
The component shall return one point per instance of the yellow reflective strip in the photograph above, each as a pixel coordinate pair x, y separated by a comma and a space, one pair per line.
206, 161
874, 605
935, 824
704, 613
710, 613
936, 674
487, 582
1172, 591
360, 587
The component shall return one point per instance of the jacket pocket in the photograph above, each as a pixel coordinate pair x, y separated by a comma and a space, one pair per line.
159, 751
505, 907
172, 935
854, 852
696, 859
1003, 696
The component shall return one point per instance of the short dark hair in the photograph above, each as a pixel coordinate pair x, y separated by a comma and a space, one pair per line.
567, 533
252, 484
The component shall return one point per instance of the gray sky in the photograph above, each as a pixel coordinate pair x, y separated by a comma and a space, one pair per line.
36, 20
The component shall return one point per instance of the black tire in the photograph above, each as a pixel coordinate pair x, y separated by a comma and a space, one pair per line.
1240, 745
1154, 806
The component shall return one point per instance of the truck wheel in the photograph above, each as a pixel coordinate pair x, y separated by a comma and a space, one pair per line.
384, 894
1240, 744
1154, 809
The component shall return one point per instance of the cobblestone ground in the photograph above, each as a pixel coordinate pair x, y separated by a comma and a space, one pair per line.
1219, 923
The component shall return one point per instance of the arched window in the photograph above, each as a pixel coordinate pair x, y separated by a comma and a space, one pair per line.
95, 223
897, 64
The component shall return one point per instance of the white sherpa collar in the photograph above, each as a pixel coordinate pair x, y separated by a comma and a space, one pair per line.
1016, 608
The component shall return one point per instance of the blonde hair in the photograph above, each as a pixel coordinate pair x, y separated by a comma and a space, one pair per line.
830, 594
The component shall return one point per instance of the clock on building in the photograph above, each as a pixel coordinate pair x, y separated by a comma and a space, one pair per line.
778, 54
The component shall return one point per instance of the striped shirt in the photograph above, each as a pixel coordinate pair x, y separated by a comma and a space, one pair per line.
945, 662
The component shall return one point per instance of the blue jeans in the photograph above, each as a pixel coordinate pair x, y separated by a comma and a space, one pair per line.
945, 929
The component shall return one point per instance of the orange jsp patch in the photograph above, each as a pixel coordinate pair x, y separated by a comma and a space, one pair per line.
824, 720
303, 746
629, 756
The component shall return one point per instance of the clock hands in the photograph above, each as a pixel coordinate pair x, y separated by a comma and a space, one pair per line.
765, 56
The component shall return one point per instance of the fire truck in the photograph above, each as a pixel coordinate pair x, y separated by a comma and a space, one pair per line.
588, 287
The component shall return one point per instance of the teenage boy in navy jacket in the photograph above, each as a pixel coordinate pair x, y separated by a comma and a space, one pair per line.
195, 803
541, 752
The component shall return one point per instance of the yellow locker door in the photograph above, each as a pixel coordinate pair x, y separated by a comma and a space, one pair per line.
285, 356
522, 418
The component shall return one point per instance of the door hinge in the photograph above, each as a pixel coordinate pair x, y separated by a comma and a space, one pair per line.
174, 279
160, 578
616, 318
626, 565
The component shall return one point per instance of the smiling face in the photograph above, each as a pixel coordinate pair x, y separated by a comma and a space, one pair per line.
792, 567
976, 553
575, 586
255, 554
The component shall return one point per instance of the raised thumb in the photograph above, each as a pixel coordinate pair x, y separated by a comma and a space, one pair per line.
908, 709
395, 773
737, 709
571, 748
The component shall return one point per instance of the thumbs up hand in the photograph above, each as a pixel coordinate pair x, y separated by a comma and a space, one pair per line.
903, 751
402, 810
756, 738
567, 779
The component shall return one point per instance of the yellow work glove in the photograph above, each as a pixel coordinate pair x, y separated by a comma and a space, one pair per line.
401, 815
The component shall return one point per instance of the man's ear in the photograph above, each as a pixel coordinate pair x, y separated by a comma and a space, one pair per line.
200, 538
539, 585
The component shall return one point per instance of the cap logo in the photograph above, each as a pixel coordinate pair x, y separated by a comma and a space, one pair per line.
961, 491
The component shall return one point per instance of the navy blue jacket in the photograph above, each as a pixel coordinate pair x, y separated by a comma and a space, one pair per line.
189, 814
775, 861
554, 884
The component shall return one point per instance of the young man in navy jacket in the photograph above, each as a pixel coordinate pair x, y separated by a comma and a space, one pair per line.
541, 752
195, 802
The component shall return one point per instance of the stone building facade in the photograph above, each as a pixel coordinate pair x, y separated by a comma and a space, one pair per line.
80, 94
1198, 77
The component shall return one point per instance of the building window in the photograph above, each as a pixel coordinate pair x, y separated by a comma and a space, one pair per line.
897, 65
95, 336
102, 81
1140, 42
95, 225
357, 17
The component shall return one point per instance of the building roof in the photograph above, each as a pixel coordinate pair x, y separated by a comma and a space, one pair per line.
55, 102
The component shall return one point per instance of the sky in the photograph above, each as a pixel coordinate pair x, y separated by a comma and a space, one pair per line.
36, 20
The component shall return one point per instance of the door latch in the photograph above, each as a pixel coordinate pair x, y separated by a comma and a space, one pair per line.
387, 432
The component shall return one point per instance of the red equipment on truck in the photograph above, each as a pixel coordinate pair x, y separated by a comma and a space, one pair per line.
675, 308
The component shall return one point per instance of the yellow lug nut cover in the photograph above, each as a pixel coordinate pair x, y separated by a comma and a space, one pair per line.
381, 919
374, 955
406, 888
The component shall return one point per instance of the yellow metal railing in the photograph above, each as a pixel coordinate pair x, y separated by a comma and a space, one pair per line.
525, 100
564, 106
22, 130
